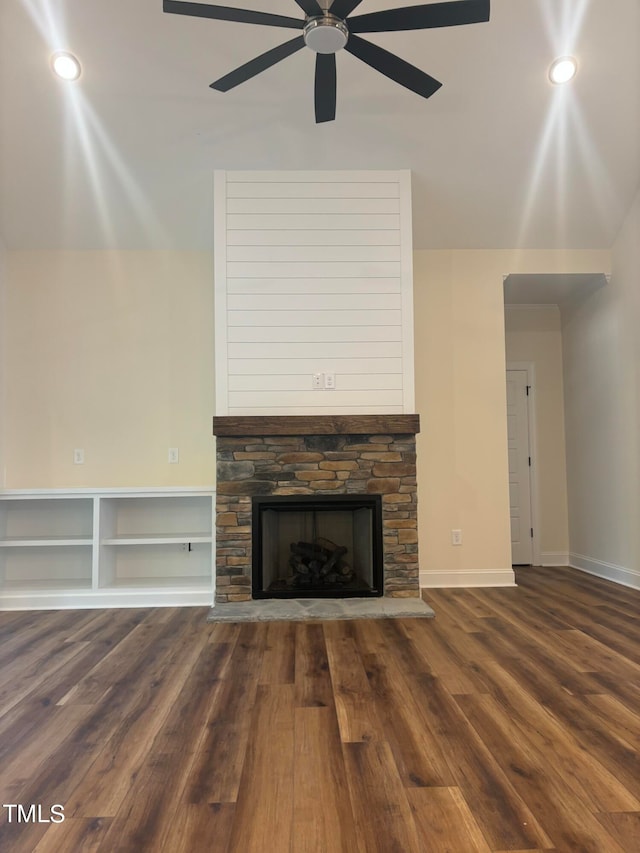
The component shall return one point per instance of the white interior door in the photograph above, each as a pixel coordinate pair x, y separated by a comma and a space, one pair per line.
519, 468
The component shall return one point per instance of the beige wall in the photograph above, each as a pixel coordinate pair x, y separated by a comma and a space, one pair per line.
111, 352
3, 329
601, 355
461, 397
533, 334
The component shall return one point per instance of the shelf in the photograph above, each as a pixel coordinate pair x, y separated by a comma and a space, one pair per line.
45, 542
160, 539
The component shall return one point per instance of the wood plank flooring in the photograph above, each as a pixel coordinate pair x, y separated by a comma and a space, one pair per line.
510, 722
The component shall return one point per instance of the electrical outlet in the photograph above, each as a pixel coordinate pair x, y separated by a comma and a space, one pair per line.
330, 381
317, 381
78, 456
456, 537
174, 456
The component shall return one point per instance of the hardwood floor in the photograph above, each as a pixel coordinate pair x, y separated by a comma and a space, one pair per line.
510, 722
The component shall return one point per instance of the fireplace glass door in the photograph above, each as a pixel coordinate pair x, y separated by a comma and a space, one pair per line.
317, 547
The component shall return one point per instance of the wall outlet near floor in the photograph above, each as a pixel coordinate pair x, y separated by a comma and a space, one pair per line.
330, 381
456, 537
78, 456
174, 456
317, 381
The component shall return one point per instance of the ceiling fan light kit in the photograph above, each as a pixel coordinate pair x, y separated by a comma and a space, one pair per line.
327, 31
326, 35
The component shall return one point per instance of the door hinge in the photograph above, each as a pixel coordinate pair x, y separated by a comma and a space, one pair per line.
528, 387
532, 532
529, 462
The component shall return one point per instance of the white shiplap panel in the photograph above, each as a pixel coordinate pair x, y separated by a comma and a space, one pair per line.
338, 176
313, 205
314, 280
328, 334
330, 363
312, 189
311, 270
282, 237
301, 382
313, 221
407, 295
313, 254
317, 410
275, 382
220, 280
314, 318
314, 398
313, 286
314, 350
314, 302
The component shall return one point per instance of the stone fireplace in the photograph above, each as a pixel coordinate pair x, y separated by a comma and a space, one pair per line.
317, 456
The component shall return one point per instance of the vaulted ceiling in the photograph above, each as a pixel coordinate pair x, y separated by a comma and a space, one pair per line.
500, 158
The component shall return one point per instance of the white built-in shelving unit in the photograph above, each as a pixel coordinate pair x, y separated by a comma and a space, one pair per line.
110, 548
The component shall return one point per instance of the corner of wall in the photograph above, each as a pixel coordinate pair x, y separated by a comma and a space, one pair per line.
3, 408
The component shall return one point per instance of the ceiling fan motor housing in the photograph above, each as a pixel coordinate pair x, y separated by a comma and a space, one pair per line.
327, 34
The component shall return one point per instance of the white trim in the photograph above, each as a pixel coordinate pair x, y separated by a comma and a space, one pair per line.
134, 492
71, 600
483, 577
530, 369
554, 558
220, 290
608, 571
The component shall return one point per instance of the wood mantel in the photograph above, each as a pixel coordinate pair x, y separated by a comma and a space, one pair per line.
265, 425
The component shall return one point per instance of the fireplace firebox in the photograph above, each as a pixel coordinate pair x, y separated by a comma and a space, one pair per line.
317, 546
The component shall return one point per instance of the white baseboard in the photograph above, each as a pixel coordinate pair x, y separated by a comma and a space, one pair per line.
498, 577
608, 571
554, 558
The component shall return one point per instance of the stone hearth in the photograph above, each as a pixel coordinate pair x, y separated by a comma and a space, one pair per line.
315, 455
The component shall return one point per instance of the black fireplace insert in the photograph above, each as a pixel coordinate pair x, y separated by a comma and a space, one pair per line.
324, 546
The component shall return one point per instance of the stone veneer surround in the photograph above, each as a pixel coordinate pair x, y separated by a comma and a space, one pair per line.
316, 455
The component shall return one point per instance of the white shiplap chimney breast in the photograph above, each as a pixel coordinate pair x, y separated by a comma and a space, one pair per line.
313, 282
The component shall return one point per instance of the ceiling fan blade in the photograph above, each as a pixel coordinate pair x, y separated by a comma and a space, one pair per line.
310, 7
260, 63
393, 67
448, 14
325, 89
226, 13
342, 8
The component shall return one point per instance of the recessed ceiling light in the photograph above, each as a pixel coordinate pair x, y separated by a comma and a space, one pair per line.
563, 69
65, 65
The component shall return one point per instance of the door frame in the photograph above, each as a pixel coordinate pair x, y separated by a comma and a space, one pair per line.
530, 369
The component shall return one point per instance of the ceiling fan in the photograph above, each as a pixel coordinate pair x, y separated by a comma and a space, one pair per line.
328, 30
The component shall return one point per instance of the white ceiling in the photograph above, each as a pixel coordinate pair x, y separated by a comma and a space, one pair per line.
500, 158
